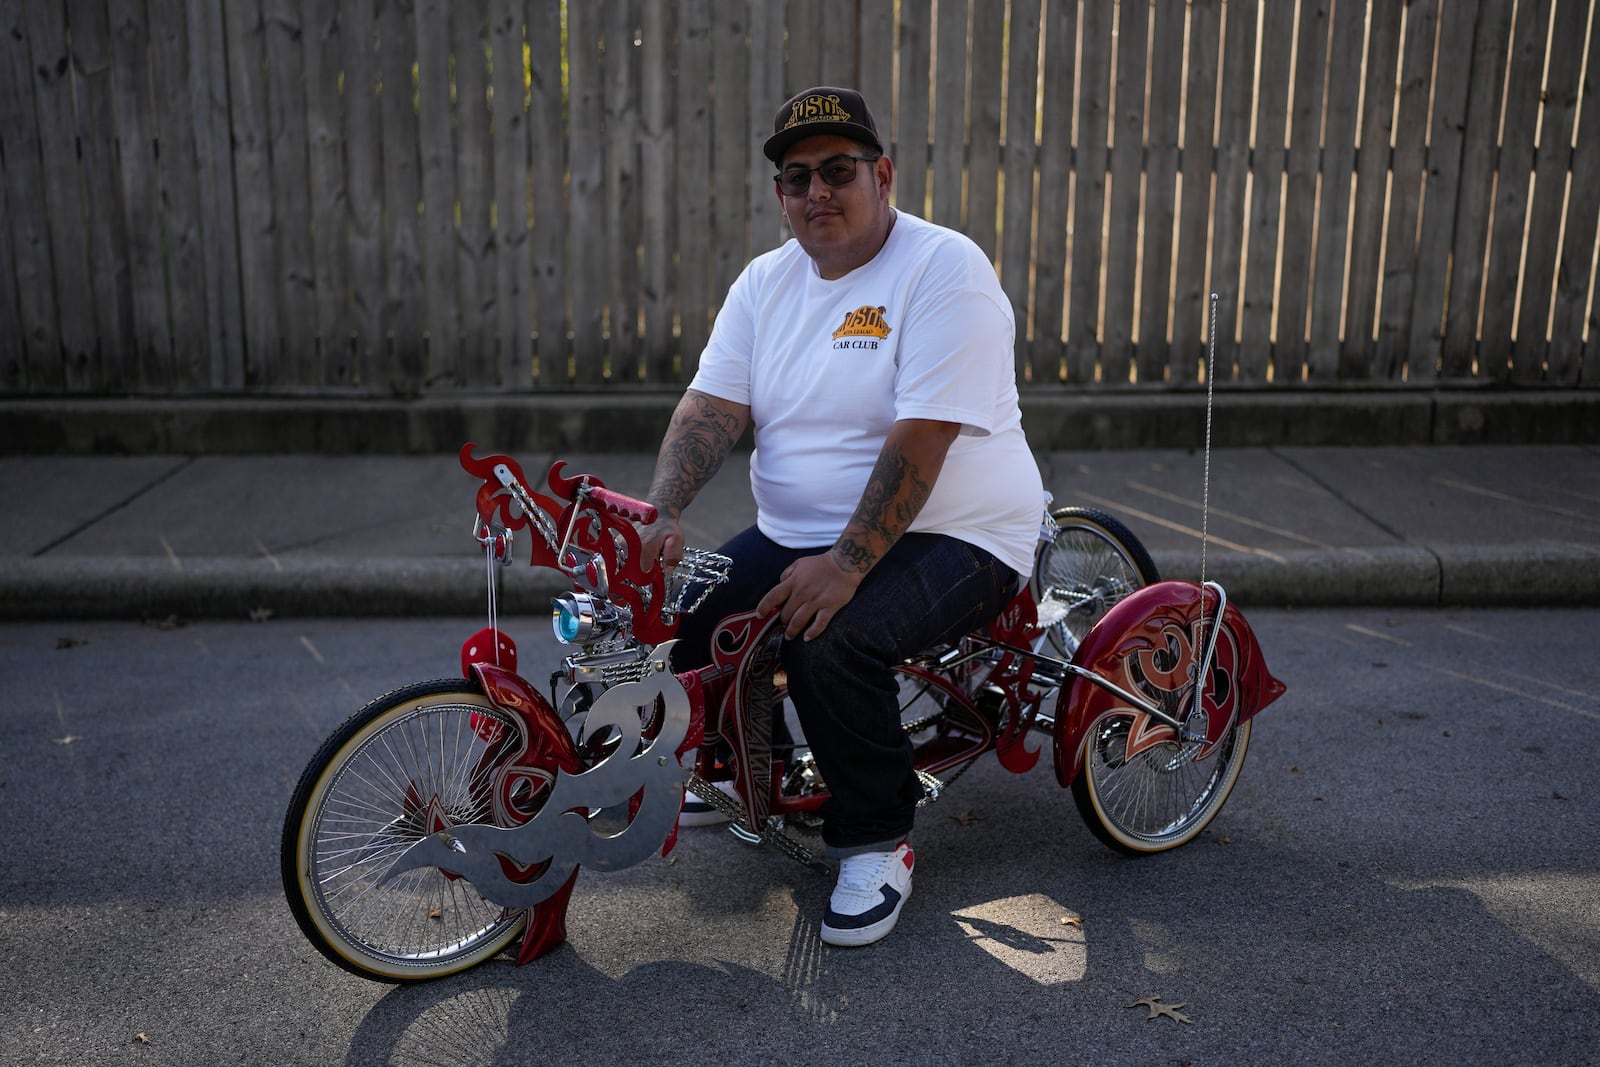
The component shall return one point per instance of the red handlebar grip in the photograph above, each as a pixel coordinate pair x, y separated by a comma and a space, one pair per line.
624, 507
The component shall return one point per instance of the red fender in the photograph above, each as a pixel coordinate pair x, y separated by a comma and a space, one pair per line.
546, 748
1149, 645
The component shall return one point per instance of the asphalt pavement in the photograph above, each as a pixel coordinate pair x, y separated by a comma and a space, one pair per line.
300, 534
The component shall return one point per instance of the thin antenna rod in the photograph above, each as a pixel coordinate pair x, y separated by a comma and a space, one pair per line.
1211, 381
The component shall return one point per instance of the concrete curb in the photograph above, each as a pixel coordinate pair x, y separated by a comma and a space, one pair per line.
1538, 575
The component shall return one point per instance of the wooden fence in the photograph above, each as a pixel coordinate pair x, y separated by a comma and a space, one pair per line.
409, 196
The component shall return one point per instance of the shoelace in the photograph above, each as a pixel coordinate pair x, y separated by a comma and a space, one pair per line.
864, 873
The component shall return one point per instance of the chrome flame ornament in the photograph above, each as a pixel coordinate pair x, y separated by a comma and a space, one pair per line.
637, 771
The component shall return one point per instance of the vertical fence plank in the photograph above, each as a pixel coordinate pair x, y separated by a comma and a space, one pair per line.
218, 238
1300, 192
803, 65
949, 111
910, 148
1088, 205
986, 78
51, 65
838, 39
291, 214
322, 40
766, 93
1127, 152
1266, 193
1190, 295
1443, 184
730, 175
1047, 352
1514, 176
548, 137
37, 345
403, 306
13, 349
693, 115
475, 248
1161, 181
1232, 169
177, 225
1371, 192
656, 166
622, 186
1191, 276
875, 60
1338, 167
1559, 96
247, 113
1020, 158
116, 362
1405, 197
1567, 347
436, 144
586, 193
363, 206
513, 259
1471, 230
149, 348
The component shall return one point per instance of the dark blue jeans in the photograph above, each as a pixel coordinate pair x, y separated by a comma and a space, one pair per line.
927, 590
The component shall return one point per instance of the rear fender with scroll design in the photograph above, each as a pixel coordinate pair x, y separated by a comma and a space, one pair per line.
1150, 644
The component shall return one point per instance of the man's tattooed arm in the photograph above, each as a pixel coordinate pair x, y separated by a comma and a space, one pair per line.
901, 482
702, 432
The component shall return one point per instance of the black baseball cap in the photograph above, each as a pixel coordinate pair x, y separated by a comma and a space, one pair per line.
823, 109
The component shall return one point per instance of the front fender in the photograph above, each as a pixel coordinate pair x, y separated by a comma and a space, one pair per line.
547, 743
1149, 644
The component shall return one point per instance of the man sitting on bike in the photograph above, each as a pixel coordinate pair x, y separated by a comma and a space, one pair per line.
897, 499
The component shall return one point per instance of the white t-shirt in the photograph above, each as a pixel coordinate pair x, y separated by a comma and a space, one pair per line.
922, 331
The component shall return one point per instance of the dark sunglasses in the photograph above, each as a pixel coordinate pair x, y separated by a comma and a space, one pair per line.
840, 170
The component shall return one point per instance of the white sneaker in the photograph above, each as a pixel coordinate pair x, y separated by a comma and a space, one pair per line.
696, 812
866, 901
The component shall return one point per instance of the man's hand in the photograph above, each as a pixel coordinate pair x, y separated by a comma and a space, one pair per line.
809, 593
662, 542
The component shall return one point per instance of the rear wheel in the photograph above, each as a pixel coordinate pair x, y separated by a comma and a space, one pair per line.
1092, 563
1139, 797
408, 765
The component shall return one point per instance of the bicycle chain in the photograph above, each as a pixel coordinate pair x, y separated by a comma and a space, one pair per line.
773, 835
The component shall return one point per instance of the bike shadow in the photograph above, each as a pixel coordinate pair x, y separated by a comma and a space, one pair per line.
563, 1007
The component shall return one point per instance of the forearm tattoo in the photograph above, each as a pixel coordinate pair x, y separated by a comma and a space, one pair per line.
698, 439
894, 496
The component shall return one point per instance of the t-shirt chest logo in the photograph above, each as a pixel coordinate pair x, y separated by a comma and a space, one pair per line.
862, 328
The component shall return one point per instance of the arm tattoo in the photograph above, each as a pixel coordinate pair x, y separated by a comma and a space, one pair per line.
894, 496
698, 439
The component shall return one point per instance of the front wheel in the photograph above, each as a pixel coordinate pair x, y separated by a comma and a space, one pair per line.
407, 765
1091, 564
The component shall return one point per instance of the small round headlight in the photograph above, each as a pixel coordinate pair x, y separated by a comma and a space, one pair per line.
572, 617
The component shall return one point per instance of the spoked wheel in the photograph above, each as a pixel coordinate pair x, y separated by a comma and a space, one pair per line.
1146, 797
1091, 564
409, 764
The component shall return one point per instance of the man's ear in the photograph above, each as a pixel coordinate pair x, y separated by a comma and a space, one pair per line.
883, 170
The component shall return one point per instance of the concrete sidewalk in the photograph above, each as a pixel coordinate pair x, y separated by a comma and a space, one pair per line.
303, 534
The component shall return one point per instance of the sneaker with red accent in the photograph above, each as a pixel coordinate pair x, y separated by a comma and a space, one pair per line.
866, 902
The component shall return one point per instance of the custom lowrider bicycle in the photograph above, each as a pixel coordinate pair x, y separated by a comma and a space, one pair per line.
449, 818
